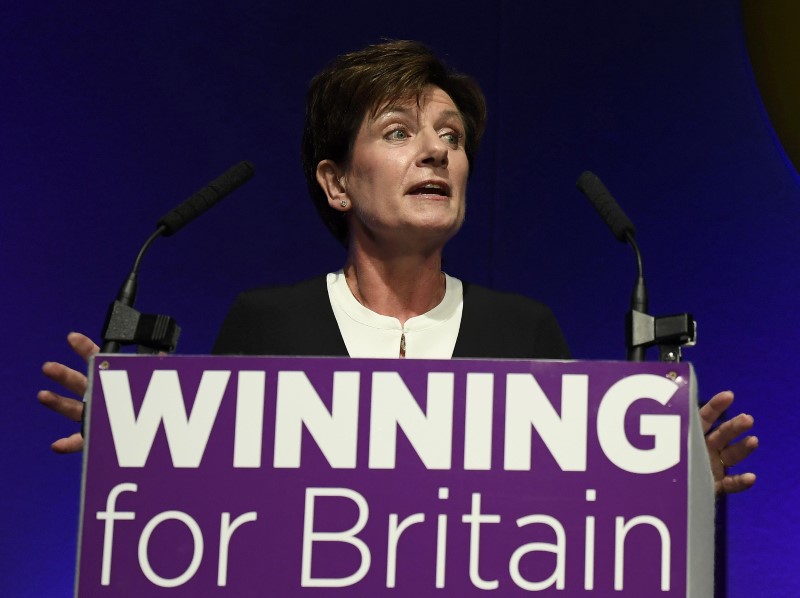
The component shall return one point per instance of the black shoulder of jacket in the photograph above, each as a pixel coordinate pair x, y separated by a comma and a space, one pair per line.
294, 319
507, 326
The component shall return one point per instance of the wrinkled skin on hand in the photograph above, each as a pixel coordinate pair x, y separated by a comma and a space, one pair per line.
724, 450
74, 382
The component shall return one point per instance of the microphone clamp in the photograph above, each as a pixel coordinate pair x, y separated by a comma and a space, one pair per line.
152, 333
668, 333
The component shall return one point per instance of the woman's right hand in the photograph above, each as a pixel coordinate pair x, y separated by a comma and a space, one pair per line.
73, 381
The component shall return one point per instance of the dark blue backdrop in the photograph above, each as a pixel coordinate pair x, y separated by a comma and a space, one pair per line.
112, 114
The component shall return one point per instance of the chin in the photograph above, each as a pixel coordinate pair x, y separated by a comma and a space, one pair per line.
439, 230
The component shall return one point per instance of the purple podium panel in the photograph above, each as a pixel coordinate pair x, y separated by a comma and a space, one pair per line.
267, 476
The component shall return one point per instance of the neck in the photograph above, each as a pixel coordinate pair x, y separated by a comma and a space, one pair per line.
401, 285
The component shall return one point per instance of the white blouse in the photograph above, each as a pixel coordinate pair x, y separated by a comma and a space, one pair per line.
431, 335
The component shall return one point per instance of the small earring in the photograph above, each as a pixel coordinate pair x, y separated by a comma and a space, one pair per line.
343, 203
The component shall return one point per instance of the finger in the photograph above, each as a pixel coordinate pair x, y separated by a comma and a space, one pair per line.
719, 475
71, 408
70, 379
733, 454
714, 408
736, 483
71, 444
82, 345
727, 431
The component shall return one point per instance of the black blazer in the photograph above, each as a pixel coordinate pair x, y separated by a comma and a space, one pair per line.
298, 320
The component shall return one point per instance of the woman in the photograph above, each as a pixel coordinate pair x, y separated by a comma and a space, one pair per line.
389, 141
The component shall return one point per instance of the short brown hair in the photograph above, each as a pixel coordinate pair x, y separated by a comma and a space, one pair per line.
340, 96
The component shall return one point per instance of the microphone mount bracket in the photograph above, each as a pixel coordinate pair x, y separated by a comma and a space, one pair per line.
152, 333
669, 333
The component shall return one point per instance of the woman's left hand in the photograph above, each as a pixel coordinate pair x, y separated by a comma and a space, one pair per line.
723, 452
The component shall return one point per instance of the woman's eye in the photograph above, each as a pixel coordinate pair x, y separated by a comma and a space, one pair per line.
451, 138
397, 135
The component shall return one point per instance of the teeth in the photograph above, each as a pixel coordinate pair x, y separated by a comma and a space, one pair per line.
429, 187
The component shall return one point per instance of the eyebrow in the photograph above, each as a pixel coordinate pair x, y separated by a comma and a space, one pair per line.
389, 110
408, 111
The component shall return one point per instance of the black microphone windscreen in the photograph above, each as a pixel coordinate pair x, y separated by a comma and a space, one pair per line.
609, 210
206, 197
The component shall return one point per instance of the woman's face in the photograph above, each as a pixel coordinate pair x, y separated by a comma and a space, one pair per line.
407, 175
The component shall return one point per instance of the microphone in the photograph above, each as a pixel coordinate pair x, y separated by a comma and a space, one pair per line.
608, 208
124, 325
622, 228
206, 197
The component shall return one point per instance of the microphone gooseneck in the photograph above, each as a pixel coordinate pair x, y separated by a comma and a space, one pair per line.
622, 228
126, 296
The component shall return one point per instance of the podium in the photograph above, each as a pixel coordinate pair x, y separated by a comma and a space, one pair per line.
280, 476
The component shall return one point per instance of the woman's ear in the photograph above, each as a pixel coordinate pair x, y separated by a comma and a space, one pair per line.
331, 179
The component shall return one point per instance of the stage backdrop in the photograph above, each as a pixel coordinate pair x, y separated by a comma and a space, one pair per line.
113, 113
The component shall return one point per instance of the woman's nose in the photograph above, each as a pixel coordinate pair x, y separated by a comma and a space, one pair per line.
433, 150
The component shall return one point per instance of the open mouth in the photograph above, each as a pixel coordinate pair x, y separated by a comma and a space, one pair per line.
438, 189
